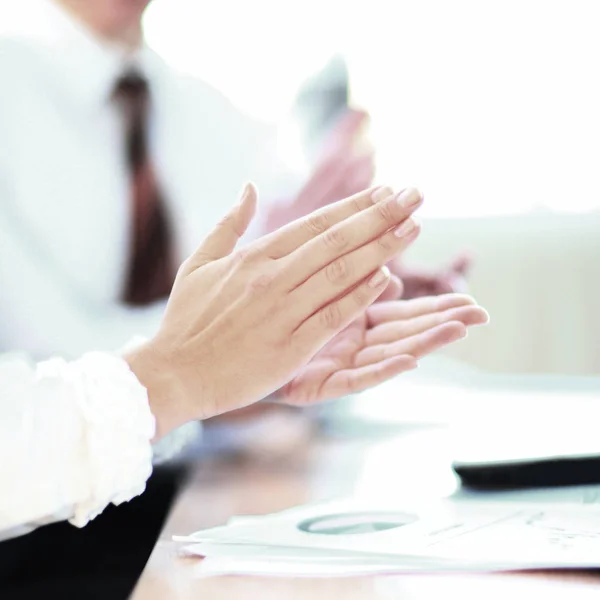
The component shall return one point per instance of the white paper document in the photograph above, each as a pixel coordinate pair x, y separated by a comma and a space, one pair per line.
347, 538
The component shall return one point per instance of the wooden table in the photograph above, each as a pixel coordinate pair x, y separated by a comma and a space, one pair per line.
219, 489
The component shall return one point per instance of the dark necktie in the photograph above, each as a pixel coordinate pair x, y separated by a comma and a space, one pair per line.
151, 268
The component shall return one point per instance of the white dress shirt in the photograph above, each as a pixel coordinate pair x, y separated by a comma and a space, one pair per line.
74, 437
64, 193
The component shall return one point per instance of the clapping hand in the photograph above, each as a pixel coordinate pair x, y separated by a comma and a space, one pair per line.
240, 324
387, 339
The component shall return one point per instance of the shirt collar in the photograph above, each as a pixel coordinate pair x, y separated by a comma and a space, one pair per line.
85, 67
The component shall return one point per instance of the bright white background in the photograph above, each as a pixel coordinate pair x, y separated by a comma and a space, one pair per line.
489, 107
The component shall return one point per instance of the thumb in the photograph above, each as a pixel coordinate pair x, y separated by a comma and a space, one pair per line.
461, 264
221, 241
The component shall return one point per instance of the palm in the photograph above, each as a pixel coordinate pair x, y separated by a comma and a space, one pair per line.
385, 341
328, 368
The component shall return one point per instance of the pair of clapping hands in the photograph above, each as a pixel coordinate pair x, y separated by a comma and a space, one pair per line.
294, 313
346, 166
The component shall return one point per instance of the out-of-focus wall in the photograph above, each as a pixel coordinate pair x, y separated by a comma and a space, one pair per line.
539, 277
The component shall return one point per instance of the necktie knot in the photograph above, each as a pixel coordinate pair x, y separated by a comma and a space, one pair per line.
132, 95
131, 87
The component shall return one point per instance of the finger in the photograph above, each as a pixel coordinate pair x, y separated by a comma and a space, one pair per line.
224, 237
288, 238
352, 381
341, 275
393, 291
356, 231
320, 327
382, 312
393, 331
417, 345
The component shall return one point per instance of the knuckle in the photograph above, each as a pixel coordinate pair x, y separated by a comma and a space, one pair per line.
358, 202
230, 222
386, 191
335, 239
331, 316
317, 223
386, 242
338, 270
226, 222
242, 256
279, 306
192, 263
386, 211
261, 283
349, 382
360, 295
297, 393
185, 267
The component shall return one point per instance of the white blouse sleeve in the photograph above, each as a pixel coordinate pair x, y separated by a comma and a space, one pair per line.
74, 437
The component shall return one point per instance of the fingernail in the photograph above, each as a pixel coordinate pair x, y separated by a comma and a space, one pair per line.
409, 198
406, 228
382, 193
380, 277
245, 192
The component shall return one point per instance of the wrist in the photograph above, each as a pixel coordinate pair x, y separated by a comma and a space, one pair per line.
165, 393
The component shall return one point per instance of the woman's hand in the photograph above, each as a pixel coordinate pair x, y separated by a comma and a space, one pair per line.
241, 324
417, 283
386, 340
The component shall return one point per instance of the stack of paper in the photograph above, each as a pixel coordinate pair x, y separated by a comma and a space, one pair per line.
345, 538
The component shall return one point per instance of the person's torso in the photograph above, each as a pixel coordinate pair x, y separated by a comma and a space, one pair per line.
67, 186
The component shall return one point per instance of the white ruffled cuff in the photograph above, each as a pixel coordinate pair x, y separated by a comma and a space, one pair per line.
118, 427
